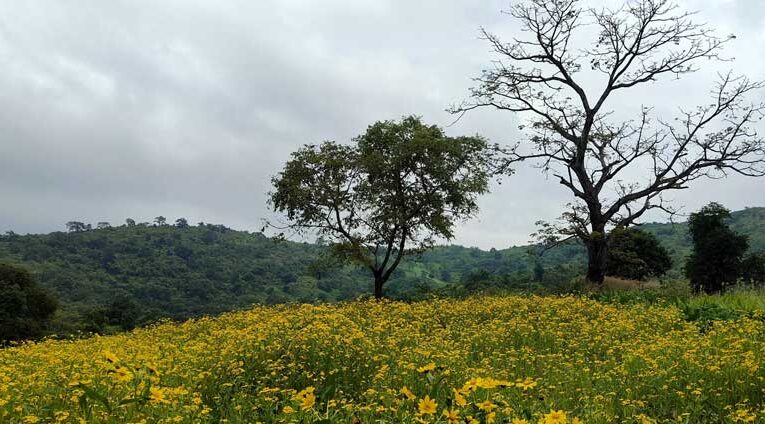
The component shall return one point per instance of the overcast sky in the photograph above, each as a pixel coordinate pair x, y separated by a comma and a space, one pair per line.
116, 109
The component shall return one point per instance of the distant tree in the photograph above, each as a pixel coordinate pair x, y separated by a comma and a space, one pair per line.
130, 222
24, 307
562, 92
123, 311
160, 221
75, 226
182, 223
400, 186
636, 255
539, 271
715, 263
753, 269
103, 225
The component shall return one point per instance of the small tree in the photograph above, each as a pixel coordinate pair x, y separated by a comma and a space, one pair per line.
753, 269
130, 222
76, 227
160, 221
182, 223
103, 225
563, 94
715, 262
24, 307
636, 255
394, 191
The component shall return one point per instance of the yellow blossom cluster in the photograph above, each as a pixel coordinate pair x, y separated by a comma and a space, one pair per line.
502, 359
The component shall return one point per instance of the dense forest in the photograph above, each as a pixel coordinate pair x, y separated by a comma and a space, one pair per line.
122, 276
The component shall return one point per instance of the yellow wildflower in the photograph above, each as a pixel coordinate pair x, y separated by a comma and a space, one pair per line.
408, 393
427, 406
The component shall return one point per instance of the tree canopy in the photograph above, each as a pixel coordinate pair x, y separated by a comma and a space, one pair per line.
394, 191
24, 307
636, 255
715, 263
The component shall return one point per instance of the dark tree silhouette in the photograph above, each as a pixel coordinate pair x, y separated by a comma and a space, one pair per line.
636, 255
76, 227
24, 307
715, 263
575, 137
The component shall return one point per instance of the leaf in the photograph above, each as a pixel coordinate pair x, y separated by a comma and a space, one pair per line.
95, 396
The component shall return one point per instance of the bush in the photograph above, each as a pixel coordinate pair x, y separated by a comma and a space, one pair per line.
24, 307
636, 255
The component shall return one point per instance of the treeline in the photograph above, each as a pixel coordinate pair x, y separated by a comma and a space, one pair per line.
110, 278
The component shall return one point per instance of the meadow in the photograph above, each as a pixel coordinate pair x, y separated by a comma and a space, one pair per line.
483, 359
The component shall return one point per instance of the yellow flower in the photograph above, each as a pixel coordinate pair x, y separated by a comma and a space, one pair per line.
519, 421
452, 416
427, 368
527, 383
157, 395
308, 401
470, 385
31, 419
408, 393
427, 406
111, 357
487, 406
555, 417
123, 375
458, 398
288, 409
306, 398
743, 416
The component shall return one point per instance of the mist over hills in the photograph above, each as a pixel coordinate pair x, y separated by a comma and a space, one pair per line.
170, 272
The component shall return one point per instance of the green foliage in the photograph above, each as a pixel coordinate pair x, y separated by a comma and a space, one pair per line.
120, 277
397, 189
636, 255
24, 307
753, 269
172, 272
715, 263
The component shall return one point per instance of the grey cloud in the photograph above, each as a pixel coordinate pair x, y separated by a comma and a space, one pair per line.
140, 108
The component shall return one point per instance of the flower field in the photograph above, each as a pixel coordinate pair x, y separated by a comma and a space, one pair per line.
480, 360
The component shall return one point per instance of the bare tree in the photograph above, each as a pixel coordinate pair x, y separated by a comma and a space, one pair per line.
573, 136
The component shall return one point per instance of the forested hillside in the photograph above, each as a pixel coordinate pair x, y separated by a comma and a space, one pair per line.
128, 275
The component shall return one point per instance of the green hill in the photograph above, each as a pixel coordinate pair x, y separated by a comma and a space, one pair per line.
150, 272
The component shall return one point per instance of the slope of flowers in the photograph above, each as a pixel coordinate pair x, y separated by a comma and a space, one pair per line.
480, 360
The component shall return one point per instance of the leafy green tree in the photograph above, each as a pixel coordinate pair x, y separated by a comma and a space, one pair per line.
24, 307
124, 311
182, 223
160, 221
636, 255
130, 222
394, 191
715, 263
753, 269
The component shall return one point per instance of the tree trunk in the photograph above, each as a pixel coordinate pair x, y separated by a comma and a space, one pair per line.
597, 257
379, 281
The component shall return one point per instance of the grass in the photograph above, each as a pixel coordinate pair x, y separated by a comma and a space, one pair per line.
553, 359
